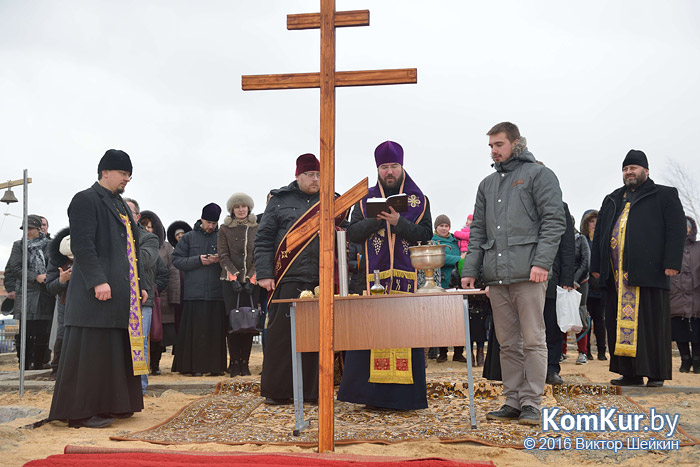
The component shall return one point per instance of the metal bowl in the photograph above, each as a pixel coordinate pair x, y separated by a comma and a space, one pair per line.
427, 256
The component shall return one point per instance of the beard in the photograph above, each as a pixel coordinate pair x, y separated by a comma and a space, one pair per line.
634, 182
393, 185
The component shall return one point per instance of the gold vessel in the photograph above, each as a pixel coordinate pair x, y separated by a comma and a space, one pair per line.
428, 258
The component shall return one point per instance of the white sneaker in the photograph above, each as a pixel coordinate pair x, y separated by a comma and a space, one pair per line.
581, 359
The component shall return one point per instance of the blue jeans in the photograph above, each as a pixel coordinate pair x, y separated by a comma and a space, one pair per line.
146, 313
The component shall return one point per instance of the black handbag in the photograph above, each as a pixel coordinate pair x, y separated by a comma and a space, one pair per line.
244, 319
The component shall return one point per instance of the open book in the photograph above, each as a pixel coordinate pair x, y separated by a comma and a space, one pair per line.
376, 205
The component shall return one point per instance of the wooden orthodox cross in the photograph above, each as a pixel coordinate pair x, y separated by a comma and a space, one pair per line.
328, 79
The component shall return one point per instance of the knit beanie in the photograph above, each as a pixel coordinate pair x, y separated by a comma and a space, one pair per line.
635, 157
211, 212
442, 219
307, 163
114, 159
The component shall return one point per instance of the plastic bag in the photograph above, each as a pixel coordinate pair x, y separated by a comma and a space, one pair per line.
568, 317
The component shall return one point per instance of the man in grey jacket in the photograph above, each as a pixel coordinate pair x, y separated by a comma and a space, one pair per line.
518, 222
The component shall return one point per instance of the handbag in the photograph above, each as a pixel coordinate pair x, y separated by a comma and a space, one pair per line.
156, 332
244, 319
568, 317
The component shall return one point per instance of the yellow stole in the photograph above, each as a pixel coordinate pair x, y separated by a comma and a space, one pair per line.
627, 297
138, 354
391, 366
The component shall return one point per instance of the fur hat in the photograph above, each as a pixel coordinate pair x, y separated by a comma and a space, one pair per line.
64, 247
240, 198
442, 219
156, 224
237, 199
388, 152
173, 229
635, 157
307, 163
57, 250
114, 159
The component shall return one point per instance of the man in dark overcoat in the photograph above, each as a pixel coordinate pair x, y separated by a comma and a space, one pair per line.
99, 372
284, 273
637, 246
201, 337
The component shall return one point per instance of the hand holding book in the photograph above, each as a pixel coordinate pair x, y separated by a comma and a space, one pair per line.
375, 206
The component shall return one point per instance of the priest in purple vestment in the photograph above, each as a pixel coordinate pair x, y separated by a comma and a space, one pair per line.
388, 378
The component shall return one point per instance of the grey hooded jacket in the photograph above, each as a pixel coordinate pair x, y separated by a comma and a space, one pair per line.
518, 221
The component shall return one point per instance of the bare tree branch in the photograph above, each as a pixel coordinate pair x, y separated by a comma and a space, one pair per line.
677, 176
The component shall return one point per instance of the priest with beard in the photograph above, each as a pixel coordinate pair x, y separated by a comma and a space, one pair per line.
386, 239
638, 246
102, 355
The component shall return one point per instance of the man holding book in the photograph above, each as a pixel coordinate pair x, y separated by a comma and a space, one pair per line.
402, 222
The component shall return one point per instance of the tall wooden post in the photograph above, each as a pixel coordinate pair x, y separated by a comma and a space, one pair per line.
327, 259
327, 80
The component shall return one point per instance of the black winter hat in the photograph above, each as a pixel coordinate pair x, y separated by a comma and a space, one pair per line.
211, 212
635, 157
114, 159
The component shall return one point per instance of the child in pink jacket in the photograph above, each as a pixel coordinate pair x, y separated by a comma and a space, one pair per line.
462, 236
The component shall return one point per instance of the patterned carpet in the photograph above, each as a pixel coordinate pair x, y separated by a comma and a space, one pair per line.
235, 414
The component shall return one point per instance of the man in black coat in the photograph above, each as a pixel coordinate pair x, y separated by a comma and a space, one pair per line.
563, 276
637, 246
287, 205
201, 336
102, 354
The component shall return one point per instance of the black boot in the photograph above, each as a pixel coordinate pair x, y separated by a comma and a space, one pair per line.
156, 351
457, 355
39, 356
234, 369
686, 362
696, 364
245, 371
443, 355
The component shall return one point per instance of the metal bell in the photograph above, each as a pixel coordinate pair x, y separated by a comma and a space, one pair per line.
9, 197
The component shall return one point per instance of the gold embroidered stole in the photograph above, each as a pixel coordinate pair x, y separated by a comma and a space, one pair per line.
138, 354
391, 366
627, 297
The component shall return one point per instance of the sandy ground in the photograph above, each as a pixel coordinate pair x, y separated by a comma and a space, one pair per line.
19, 445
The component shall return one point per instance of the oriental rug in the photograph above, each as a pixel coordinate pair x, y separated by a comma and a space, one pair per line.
235, 414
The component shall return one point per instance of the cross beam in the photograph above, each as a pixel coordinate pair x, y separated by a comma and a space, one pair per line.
343, 19
327, 80
342, 79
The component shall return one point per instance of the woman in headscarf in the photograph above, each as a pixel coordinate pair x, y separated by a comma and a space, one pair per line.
235, 247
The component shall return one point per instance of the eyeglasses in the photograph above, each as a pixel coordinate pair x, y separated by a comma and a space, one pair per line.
312, 175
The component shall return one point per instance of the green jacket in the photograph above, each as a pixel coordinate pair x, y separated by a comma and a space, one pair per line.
452, 257
518, 222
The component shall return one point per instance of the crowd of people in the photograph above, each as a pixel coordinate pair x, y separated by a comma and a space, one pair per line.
125, 288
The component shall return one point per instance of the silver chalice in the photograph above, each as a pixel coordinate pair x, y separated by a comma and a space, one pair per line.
428, 258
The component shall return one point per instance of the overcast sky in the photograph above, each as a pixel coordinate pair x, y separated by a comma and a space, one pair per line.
161, 80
